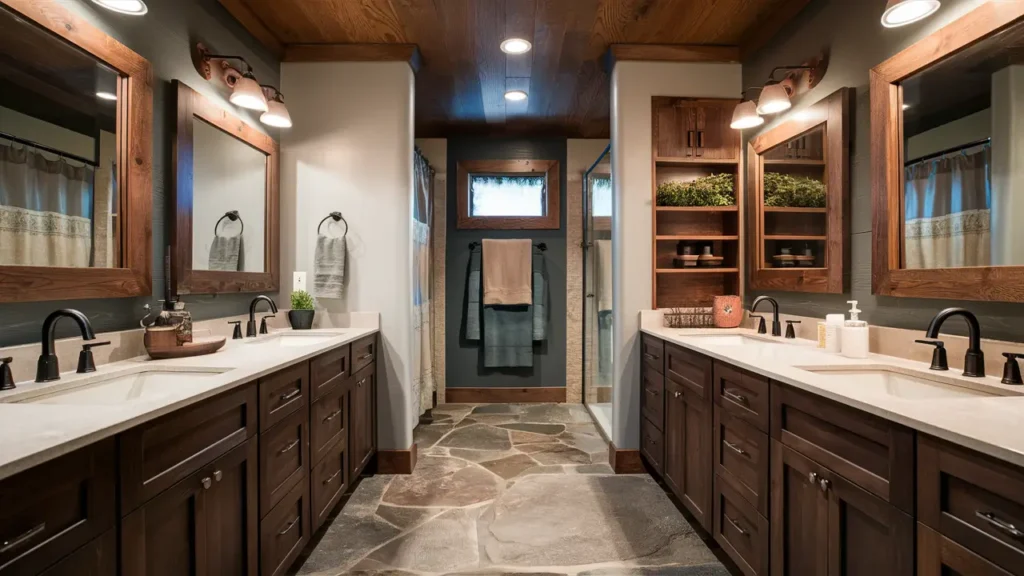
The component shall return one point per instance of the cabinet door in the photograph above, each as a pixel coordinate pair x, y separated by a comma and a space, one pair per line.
940, 556
688, 451
866, 535
799, 520
715, 139
362, 420
671, 127
674, 439
232, 514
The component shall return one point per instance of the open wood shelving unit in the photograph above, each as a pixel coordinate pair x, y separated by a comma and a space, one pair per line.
692, 138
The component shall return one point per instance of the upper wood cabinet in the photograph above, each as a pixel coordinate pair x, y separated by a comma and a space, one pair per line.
799, 176
694, 129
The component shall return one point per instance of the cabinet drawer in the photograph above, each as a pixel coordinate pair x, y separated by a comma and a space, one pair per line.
51, 510
97, 558
328, 371
328, 483
285, 531
742, 394
653, 350
364, 352
688, 369
871, 452
156, 455
741, 458
940, 556
652, 403
652, 445
284, 458
740, 531
328, 423
283, 393
972, 499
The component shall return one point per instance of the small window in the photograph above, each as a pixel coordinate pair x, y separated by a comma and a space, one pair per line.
508, 194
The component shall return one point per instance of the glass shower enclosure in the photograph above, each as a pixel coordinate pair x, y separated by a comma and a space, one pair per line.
597, 290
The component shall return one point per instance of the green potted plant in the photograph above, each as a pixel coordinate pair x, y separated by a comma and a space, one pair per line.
301, 314
711, 190
783, 190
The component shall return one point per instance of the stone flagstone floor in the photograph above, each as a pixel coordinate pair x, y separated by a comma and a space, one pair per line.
507, 489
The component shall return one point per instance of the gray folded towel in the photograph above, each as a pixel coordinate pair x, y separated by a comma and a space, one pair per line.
508, 331
225, 253
329, 267
474, 288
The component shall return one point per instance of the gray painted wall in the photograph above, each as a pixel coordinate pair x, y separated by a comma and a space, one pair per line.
164, 37
858, 42
464, 361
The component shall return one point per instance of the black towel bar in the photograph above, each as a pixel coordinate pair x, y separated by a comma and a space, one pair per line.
542, 246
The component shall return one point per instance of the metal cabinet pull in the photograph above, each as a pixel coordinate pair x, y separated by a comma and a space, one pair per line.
734, 448
365, 356
361, 382
735, 397
288, 396
825, 484
650, 356
207, 483
677, 394
700, 139
217, 475
289, 447
690, 137
993, 520
289, 527
737, 526
331, 479
9, 545
812, 477
651, 392
332, 416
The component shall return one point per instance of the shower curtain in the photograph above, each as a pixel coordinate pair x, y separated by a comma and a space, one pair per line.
45, 210
422, 345
948, 211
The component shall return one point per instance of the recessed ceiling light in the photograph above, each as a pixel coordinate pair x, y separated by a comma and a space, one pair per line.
133, 7
515, 95
516, 46
902, 12
106, 96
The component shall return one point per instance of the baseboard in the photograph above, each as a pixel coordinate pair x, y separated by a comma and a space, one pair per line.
397, 461
504, 395
624, 461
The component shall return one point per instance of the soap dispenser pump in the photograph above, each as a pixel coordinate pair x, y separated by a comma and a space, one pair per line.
6, 378
855, 341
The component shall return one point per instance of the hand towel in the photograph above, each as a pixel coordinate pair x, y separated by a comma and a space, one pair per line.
473, 289
507, 266
225, 253
540, 298
603, 270
329, 267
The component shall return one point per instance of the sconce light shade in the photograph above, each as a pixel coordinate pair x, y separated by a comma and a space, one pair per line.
902, 12
133, 7
745, 116
277, 115
248, 94
774, 99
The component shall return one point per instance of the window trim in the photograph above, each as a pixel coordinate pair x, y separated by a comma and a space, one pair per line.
551, 220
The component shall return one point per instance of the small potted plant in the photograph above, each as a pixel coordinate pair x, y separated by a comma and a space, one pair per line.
301, 314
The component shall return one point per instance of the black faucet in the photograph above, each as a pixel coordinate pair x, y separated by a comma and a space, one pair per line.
250, 328
47, 369
974, 361
776, 325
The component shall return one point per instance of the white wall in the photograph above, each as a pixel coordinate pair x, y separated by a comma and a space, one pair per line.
973, 128
633, 84
228, 174
351, 150
1007, 157
42, 132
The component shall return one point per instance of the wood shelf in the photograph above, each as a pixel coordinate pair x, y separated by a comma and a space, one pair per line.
697, 237
696, 208
795, 237
794, 162
695, 160
697, 270
794, 210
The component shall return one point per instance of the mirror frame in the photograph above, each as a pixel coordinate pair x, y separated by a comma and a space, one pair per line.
134, 171
190, 105
888, 278
832, 112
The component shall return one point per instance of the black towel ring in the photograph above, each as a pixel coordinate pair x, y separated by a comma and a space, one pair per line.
337, 217
233, 216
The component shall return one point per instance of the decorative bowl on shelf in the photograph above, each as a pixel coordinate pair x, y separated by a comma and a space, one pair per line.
710, 261
685, 261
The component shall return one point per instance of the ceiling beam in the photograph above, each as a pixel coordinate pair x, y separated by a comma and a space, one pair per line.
254, 25
761, 34
354, 53
669, 53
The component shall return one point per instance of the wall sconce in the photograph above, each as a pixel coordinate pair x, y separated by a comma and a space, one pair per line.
776, 95
902, 12
745, 115
277, 114
246, 91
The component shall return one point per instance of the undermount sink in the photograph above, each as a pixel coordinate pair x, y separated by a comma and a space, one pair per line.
140, 385
896, 383
727, 340
296, 339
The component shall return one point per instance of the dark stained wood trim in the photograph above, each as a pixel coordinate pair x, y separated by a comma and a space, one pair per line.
669, 53
624, 461
251, 22
191, 105
504, 395
134, 172
552, 217
397, 461
763, 32
993, 283
833, 113
354, 53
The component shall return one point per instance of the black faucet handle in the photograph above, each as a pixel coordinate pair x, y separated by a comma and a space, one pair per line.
263, 324
790, 332
762, 328
1011, 370
86, 362
939, 361
6, 377
237, 334
91, 345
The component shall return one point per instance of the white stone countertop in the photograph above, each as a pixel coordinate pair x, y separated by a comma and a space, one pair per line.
33, 433
993, 425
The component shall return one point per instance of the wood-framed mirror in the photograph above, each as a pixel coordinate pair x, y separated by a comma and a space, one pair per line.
76, 113
226, 231
799, 211
947, 189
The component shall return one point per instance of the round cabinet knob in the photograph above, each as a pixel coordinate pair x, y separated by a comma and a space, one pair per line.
825, 484
677, 394
217, 475
812, 477
207, 483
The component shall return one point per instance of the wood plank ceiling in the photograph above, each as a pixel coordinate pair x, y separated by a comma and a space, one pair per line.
461, 84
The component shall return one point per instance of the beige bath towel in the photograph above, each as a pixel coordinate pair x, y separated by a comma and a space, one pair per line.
603, 265
508, 272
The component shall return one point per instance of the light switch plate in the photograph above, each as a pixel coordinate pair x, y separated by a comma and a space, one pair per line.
299, 281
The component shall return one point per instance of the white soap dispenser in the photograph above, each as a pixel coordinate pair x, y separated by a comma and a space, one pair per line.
855, 340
